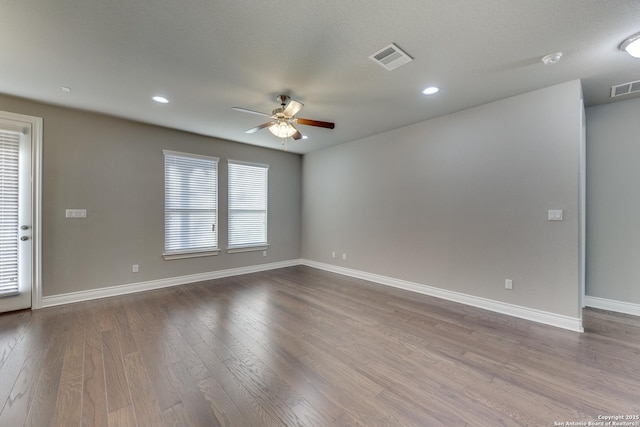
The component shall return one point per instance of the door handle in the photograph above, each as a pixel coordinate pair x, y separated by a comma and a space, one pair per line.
23, 238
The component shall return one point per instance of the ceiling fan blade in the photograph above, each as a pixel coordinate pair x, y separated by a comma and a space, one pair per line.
292, 108
245, 110
309, 122
262, 126
297, 135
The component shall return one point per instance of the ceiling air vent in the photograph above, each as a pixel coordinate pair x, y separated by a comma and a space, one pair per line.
625, 88
391, 57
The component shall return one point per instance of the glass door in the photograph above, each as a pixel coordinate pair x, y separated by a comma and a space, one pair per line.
15, 215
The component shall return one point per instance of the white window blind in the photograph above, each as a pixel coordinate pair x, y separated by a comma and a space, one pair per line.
248, 187
9, 202
191, 203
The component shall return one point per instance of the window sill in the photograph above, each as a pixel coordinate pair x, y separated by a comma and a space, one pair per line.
252, 248
194, 254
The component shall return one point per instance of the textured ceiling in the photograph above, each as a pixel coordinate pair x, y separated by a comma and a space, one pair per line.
208, 56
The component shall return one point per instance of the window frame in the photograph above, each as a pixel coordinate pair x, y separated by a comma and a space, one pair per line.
252, 246
192, 252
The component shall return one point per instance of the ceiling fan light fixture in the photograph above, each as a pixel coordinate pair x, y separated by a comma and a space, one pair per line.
282, 130
632, 45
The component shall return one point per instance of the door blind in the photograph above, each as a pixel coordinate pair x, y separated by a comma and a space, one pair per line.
9, 150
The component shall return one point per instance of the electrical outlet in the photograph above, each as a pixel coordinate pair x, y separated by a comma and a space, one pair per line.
333, 254
344, 257
135, 268
508, 284
264, 253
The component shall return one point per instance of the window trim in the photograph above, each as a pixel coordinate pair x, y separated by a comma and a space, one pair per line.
246, 248
199, 252
249, 247
189, 254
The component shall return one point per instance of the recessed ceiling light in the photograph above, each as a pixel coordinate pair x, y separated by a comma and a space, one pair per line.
552, 58
305, 137
632, 45
65, 89
431, 90
160, 99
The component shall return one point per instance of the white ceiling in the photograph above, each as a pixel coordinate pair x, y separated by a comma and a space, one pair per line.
207, 56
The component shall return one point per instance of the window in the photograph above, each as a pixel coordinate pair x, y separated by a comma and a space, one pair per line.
190, 205
247, 206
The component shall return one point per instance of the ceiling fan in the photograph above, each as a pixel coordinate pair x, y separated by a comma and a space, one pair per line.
283, 119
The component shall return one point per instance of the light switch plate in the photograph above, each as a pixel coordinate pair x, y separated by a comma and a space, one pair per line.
555, 215
76, 213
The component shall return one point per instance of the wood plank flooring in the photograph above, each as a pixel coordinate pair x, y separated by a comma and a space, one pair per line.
304, 347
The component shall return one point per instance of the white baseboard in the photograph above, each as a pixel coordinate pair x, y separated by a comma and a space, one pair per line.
547, 318
612, 305
565, 322
130, 288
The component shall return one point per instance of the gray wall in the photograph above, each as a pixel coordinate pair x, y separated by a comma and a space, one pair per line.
114, 168
459, 202
613, 201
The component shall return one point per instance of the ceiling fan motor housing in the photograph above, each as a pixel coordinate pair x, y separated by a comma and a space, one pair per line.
283, 99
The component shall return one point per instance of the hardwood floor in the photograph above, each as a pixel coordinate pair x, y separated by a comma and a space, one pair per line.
304, 347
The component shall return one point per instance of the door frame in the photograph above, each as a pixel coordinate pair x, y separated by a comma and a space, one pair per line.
36, 201
582, 209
